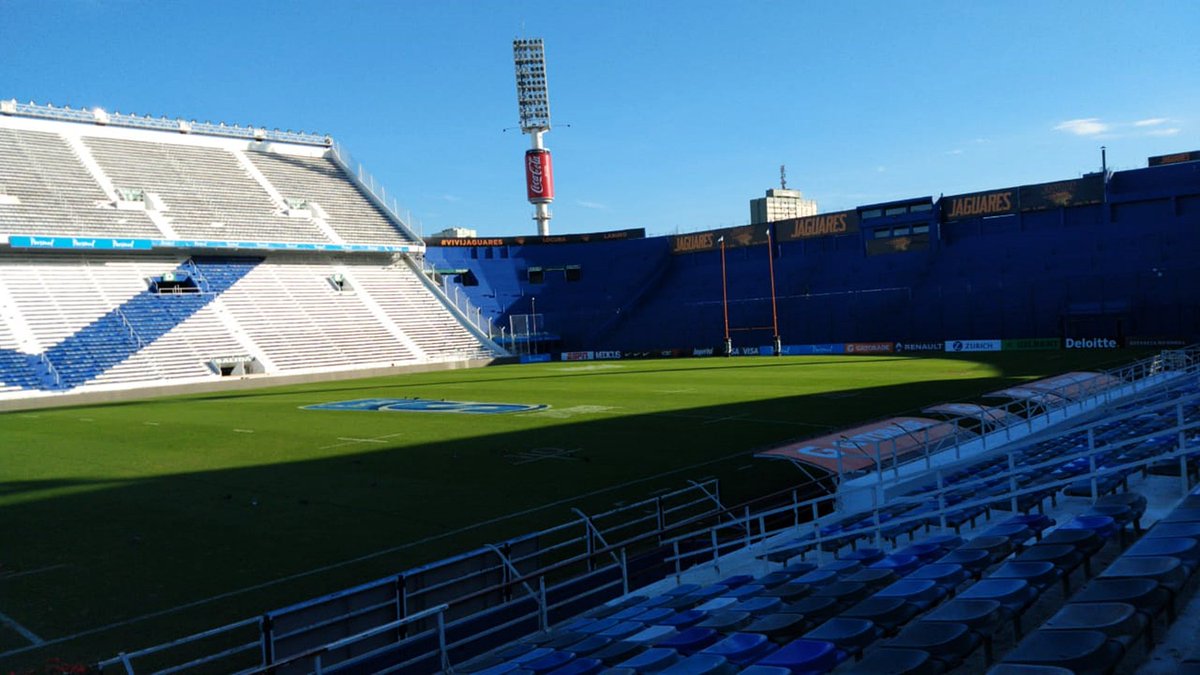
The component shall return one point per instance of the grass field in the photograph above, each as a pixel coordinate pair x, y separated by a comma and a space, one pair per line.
110, 513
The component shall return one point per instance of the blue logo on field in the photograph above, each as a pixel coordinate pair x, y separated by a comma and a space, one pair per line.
427, 405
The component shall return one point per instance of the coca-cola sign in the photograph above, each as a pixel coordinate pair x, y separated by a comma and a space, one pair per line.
539, 176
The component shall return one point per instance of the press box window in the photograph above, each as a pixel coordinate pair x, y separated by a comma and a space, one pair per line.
872, 213
536, 275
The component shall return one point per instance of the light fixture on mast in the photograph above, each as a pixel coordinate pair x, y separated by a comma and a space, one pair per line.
533, 105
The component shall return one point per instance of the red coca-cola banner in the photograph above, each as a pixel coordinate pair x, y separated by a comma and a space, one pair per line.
539, 177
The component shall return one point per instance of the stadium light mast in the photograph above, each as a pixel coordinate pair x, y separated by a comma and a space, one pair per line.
533, 105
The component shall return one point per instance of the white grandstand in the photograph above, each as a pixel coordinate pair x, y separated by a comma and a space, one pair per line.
141, 252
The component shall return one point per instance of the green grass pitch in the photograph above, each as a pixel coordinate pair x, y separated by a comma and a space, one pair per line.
117, 511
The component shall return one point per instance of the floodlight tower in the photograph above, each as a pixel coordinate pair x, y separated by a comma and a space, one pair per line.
533, 104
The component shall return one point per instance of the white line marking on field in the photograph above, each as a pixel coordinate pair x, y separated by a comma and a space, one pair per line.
16, 575
243, 431
539, 454
86, 419
25, 632
725, 419
150, 424
351, 441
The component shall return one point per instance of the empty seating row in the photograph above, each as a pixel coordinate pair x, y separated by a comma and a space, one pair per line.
1100, 624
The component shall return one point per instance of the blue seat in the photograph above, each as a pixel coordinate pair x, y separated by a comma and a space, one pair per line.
552, 661
1084, 651
779, 627
743, 591
683, 589
799, 568
531, 655
946, 542
843, 567
920, 592
898, 661
651, 634
924, 551
580, 667
974, 561
653, 615
684, 619
802, 656
1118, 620
818, 577
815, 609
789, 592
1187, 550
1104, 526
873, 578
1012, 594
1168, 572
652, 660
765, 670
769, 581
1064, 557
902, 564
741, 648
865, 555
997, 546
736, 580
946, 575
698, 664
842, 591
758, 606
887, 613
1041, 575
848, 635
948, 642
725, 622
691, 640
620, 630
1086, 541
589, 645
617, 651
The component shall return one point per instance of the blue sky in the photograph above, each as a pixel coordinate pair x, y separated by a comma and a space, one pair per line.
678, 112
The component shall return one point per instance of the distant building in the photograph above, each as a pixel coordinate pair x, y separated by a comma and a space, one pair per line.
456, 233
781, 204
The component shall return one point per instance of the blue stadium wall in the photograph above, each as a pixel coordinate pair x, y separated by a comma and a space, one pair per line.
1125, 266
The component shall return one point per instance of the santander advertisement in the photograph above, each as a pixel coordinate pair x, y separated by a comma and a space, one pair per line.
539, 177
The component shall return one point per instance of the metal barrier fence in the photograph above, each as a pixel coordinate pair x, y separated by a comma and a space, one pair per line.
546, 573
750, 530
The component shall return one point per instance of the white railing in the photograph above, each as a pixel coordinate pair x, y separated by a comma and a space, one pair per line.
374, 189
456, 301
117, 119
